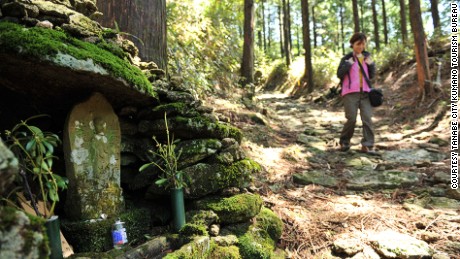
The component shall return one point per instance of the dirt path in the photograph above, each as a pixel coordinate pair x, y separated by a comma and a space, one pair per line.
289, 137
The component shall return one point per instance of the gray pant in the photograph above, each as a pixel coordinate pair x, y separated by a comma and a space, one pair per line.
352, 102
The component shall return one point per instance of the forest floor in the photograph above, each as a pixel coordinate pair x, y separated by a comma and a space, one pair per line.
291, 137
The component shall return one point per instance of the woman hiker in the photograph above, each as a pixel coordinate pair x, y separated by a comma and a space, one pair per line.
355, 92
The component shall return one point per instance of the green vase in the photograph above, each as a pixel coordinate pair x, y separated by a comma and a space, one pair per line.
54, 236
178, 210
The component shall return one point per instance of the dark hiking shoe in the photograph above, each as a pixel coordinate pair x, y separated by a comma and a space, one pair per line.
369, 150
344, 148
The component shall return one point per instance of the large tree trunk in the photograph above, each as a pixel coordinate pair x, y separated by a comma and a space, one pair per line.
247, 67
421, 54
385, 29
144, 20
376, 25
287, 44
435, 14
356, 16
342, 32
269, 43
402, 13
280, 17
308, 75
263, 26
288, 13
313, 17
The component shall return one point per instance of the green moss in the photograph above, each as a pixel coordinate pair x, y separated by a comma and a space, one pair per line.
31, 232
191, 229
270, 222
199, 248
256, 244
238, 208
88, 236
43, 43
258, 240
239, 172
214, 129
227, 252
137, 223
96, 236
173, 109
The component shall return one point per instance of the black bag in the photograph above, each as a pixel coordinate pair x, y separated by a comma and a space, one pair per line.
376, 97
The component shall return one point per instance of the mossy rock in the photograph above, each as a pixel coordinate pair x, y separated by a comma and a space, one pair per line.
256, 244
171, 110
195, 150
258, 239
226, 252
207, 179
192, 229
238, 208
22, 235
190, 128
199, 248
270, 222
87, 236
57, 47
203, 217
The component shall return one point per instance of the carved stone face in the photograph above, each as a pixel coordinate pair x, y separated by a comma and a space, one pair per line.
99, 125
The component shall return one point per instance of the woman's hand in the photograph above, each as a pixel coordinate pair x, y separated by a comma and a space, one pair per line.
369, 60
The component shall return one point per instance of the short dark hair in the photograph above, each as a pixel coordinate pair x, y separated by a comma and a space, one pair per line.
358, 36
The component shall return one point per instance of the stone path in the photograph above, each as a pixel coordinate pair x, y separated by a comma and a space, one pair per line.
331, 200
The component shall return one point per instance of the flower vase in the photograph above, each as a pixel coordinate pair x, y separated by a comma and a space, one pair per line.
54, 236
178, 210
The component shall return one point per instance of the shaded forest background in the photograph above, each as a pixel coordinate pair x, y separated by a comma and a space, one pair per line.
217, 46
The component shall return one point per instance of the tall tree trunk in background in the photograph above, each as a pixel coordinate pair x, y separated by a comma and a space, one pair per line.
385, 29
421, 54
402, 13
313, 17
376, 25
308, 75
342, 34
298, 40
355, 15
361, 17
435, 14
263, 26
281, 29
269, 43
145, 20
287, 45
289, 24
247, 67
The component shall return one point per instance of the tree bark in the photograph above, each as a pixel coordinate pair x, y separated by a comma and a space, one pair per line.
402, 13
263, 26
280, 17
313, 17
421, 54
435, 14
288, 13
385, 28
287, 44
356, 16
247, 67
308, 74
342, 33
145, 20
376, 25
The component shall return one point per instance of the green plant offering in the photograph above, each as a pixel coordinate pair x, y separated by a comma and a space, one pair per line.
170, 176
34, 149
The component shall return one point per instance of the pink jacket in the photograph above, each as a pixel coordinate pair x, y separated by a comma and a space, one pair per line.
350, 75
